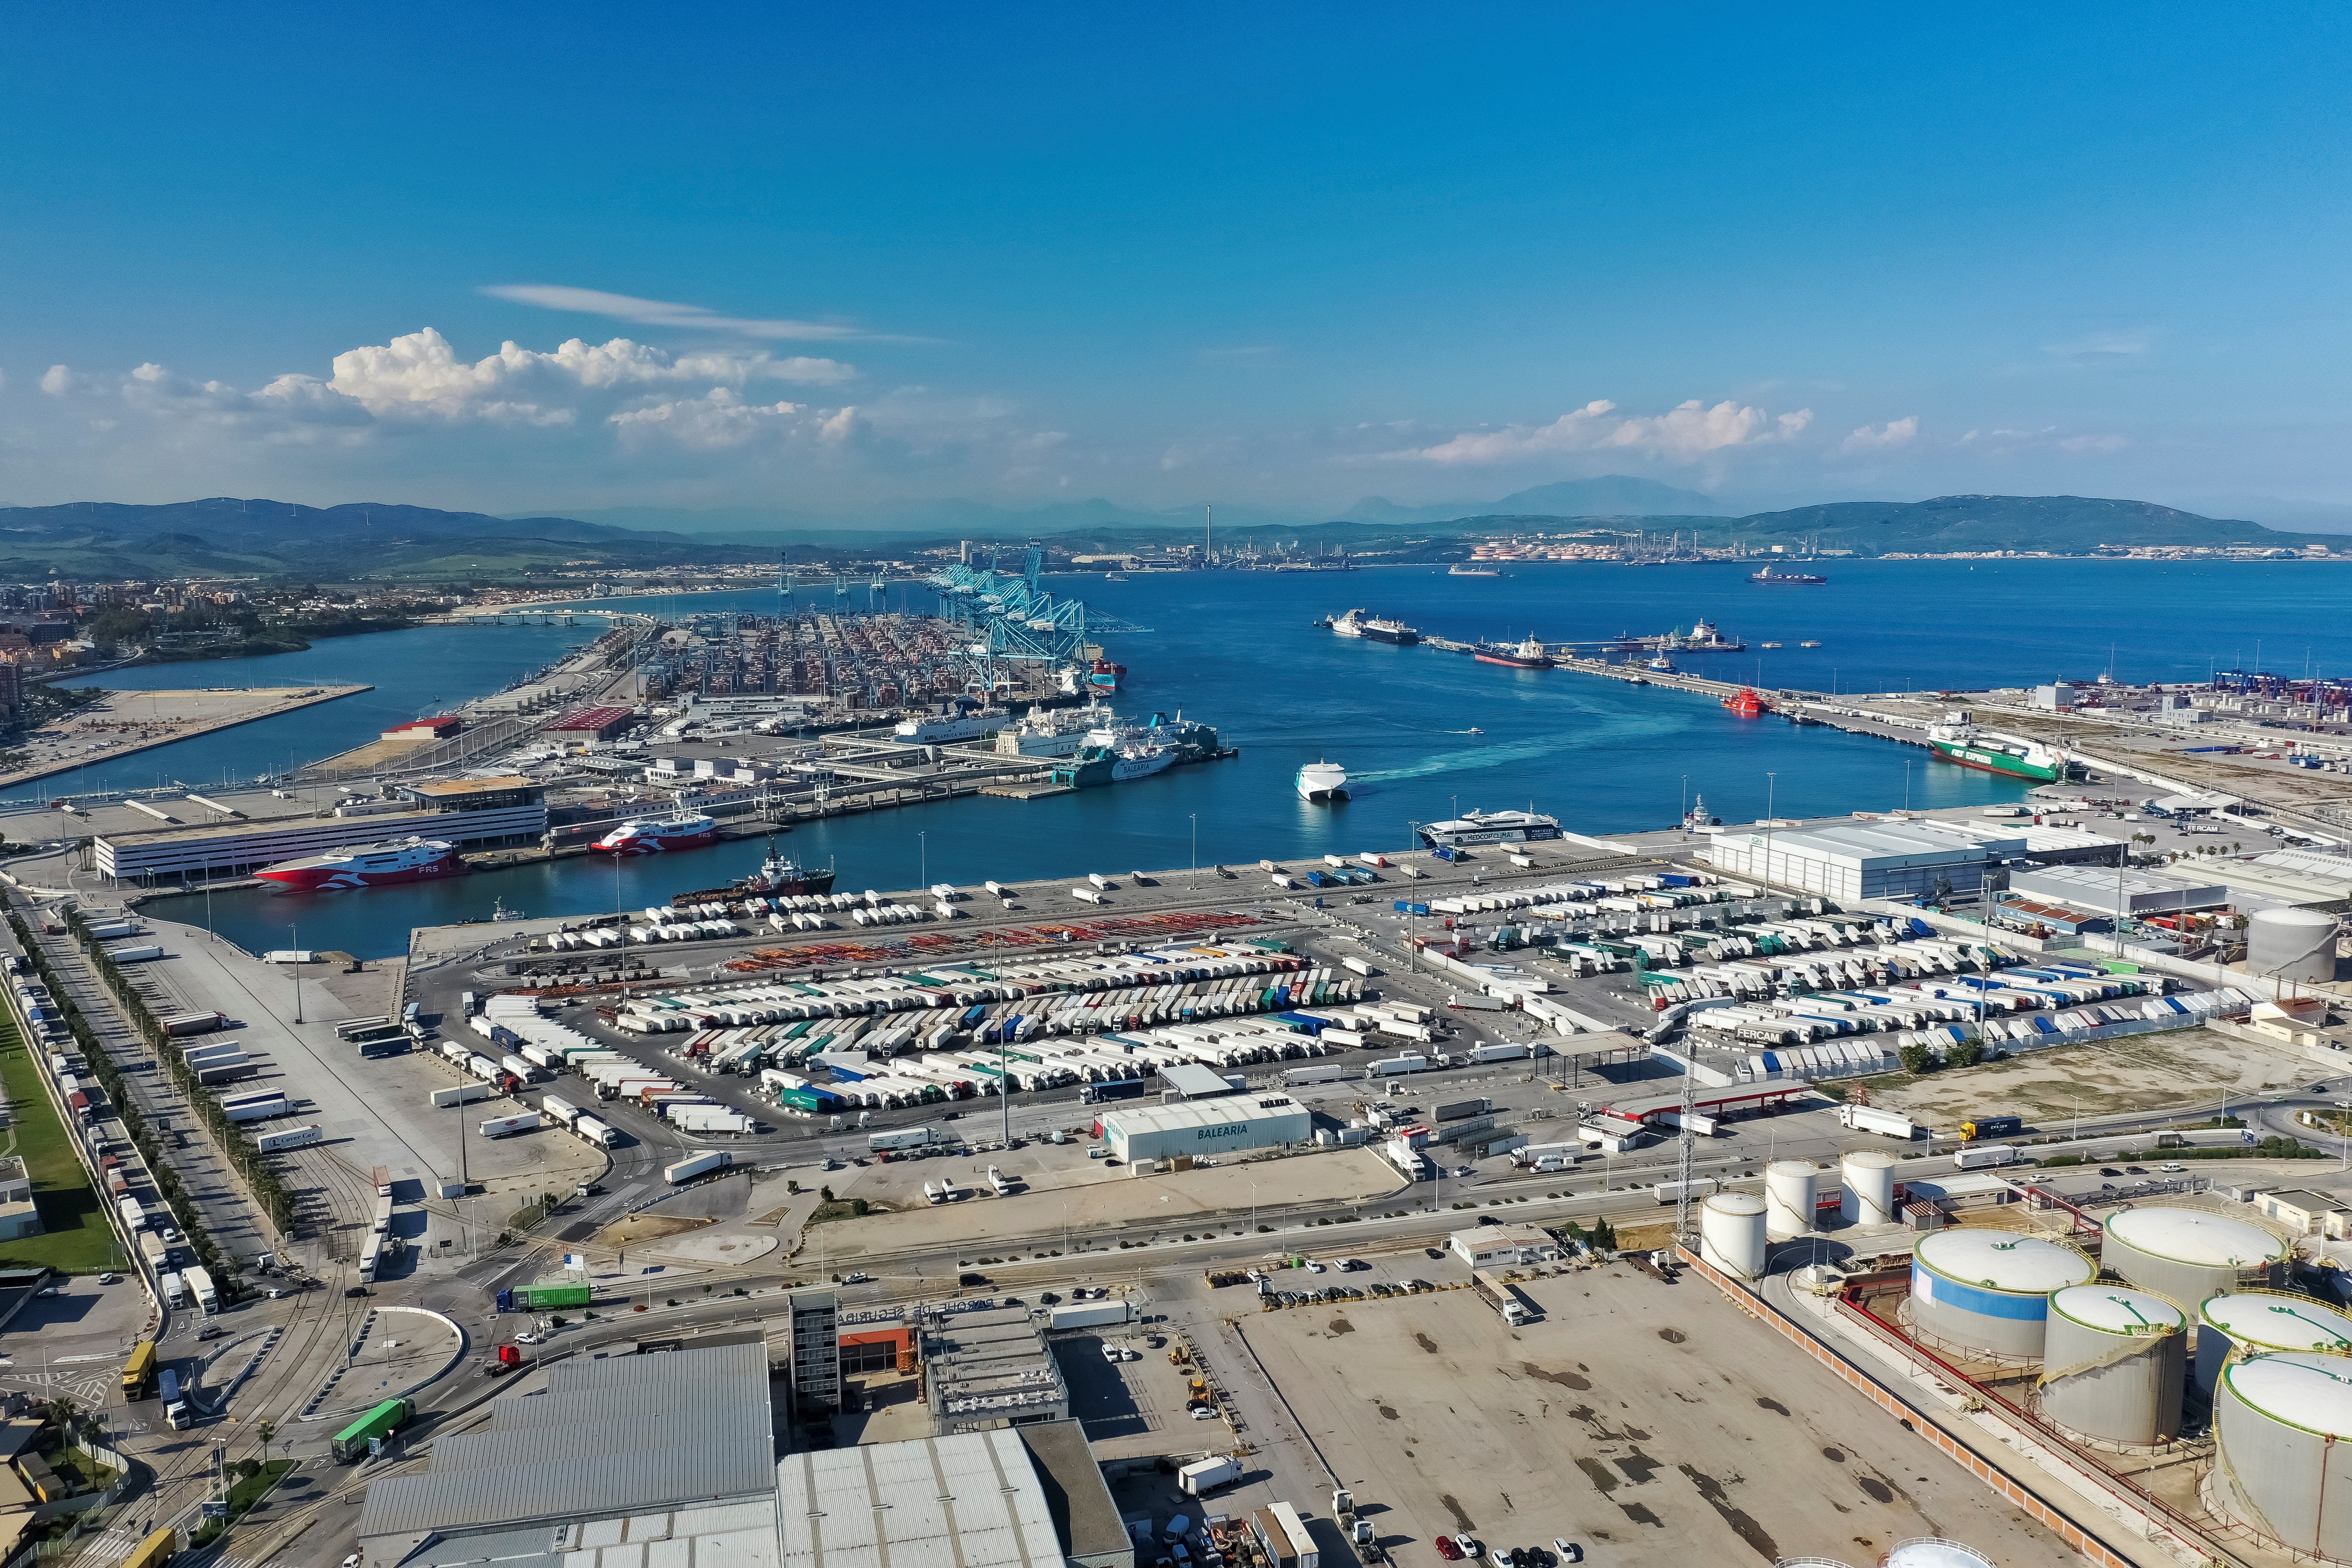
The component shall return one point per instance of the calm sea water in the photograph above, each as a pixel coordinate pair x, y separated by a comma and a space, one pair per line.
1240, 651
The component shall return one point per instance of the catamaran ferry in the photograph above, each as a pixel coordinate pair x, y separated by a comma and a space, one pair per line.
1490, 827
657, 834
367, 866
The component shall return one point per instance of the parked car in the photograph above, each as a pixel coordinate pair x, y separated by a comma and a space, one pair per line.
1569, 1551
1447, 1550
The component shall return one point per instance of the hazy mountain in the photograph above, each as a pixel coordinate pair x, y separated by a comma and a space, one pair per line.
2067, 523
1612, 495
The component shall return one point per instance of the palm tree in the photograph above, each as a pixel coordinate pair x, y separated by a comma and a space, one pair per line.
66, 1411
267, 1431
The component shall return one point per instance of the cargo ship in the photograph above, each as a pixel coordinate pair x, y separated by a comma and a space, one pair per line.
2026, 760
367, 866
1459, 571
1747, 704
777, 878
1363, 624
1527, 654
1320, 782
1489, 828
1772, 579
659, 834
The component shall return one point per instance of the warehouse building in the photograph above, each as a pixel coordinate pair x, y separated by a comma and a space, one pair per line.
1861, 859
472, 813
1030, 1496
1505, 1246
2115, 890
1230, 1125
677, 1449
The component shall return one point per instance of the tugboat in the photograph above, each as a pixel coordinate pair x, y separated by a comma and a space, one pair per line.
777, 878
1527, 654
1747, 704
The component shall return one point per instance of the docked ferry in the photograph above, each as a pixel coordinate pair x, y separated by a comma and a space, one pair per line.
2021, 759
658, 835
1364, 623
1490, 827
369, 866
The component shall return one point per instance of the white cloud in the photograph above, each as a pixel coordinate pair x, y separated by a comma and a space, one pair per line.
2103, 347
2004, 443
664, 314
420, 373
1886, 438
1688, 431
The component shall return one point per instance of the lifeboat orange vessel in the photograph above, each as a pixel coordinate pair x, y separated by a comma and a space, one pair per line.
1746, 703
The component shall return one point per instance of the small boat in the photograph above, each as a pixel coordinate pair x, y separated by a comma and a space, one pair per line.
1322, 782
1772, 579
1814, 643
1659, 665
1459, 571
1768, 645
498, 911
1747, 704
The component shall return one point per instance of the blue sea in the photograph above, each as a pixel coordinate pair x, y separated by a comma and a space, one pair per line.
1423, 734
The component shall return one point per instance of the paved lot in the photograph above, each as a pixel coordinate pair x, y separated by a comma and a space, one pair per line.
1655, 1424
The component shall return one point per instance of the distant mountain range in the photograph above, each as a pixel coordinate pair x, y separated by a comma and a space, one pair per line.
225, 536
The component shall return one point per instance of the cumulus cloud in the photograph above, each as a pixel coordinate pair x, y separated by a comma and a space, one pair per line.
667, 313
1886, 438
2002, 443
1689, 430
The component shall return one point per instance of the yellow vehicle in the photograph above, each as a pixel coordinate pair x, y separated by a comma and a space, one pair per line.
155, 1551
139, 1370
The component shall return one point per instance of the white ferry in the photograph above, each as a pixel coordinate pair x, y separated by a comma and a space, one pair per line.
1490, 827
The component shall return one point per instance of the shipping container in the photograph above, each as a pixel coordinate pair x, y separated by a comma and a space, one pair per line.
1983, 1156
383, 1215
286, 1138
1204, 1476
178, 1024
382, 1181
508, 1126
259, 1106
461, 1094
545, 1297
1870, 1119
140, 953
901, 1138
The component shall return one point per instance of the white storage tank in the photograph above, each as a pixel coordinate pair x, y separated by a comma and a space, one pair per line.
1990, 1290
2114, 1364
2292, 944
1788, 1198
1731, 1232
1866, 1177
2257, 1322
2283, 1464
2188, 1255
1929, 1552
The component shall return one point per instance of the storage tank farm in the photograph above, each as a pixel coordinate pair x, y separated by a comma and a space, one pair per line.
2282, 1462
2292, 944
1866, 1178
1919, 1552
2189, 1255
2258, 1322
1788, 1198
1989, 1291
2115, 1364
1731, 1233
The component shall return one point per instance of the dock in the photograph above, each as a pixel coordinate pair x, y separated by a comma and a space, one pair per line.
122, 723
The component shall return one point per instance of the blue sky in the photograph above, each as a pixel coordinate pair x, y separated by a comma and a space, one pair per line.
824, 259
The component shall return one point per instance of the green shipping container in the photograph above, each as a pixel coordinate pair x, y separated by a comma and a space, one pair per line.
350, 1444
537, 1298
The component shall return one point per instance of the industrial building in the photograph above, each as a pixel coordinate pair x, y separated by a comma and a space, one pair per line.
2115, 890
1189, 1081
1229, 1125
990, 1368
2304, 1212
1505, 1246
1029, 1497
816, 1349
1861, 859
677, 1448
467, 813
18, 1214
597, 723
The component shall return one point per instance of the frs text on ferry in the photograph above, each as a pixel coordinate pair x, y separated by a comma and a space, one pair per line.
367, 866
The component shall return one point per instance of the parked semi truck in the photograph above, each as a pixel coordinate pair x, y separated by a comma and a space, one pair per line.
700, 1164
1991, 1127
901, 1138
1870, 1119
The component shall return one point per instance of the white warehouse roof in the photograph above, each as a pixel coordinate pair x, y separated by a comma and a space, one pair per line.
1243, 1110
969, 1501
2094, 887
1869, 842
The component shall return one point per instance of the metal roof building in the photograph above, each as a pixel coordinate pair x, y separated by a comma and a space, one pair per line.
990, 1368
1225, 1126
2098, 890
677, 1447
1861, 859
1011, 1497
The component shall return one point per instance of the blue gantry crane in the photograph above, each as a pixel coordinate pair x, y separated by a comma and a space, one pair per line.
1017, 617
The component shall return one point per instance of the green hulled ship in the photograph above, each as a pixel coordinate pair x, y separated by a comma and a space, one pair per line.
2028, 760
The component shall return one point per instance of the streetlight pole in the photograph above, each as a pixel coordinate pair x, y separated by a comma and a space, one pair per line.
1771, 784
1196, 840
296, 931
923, 859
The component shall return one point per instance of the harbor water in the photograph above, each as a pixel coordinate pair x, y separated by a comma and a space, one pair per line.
1423, 733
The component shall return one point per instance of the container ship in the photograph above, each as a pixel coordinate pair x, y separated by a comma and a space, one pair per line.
1363, 624
659, 834
1772, 579
777, 878
367, 866
1489, 828
1527, 655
